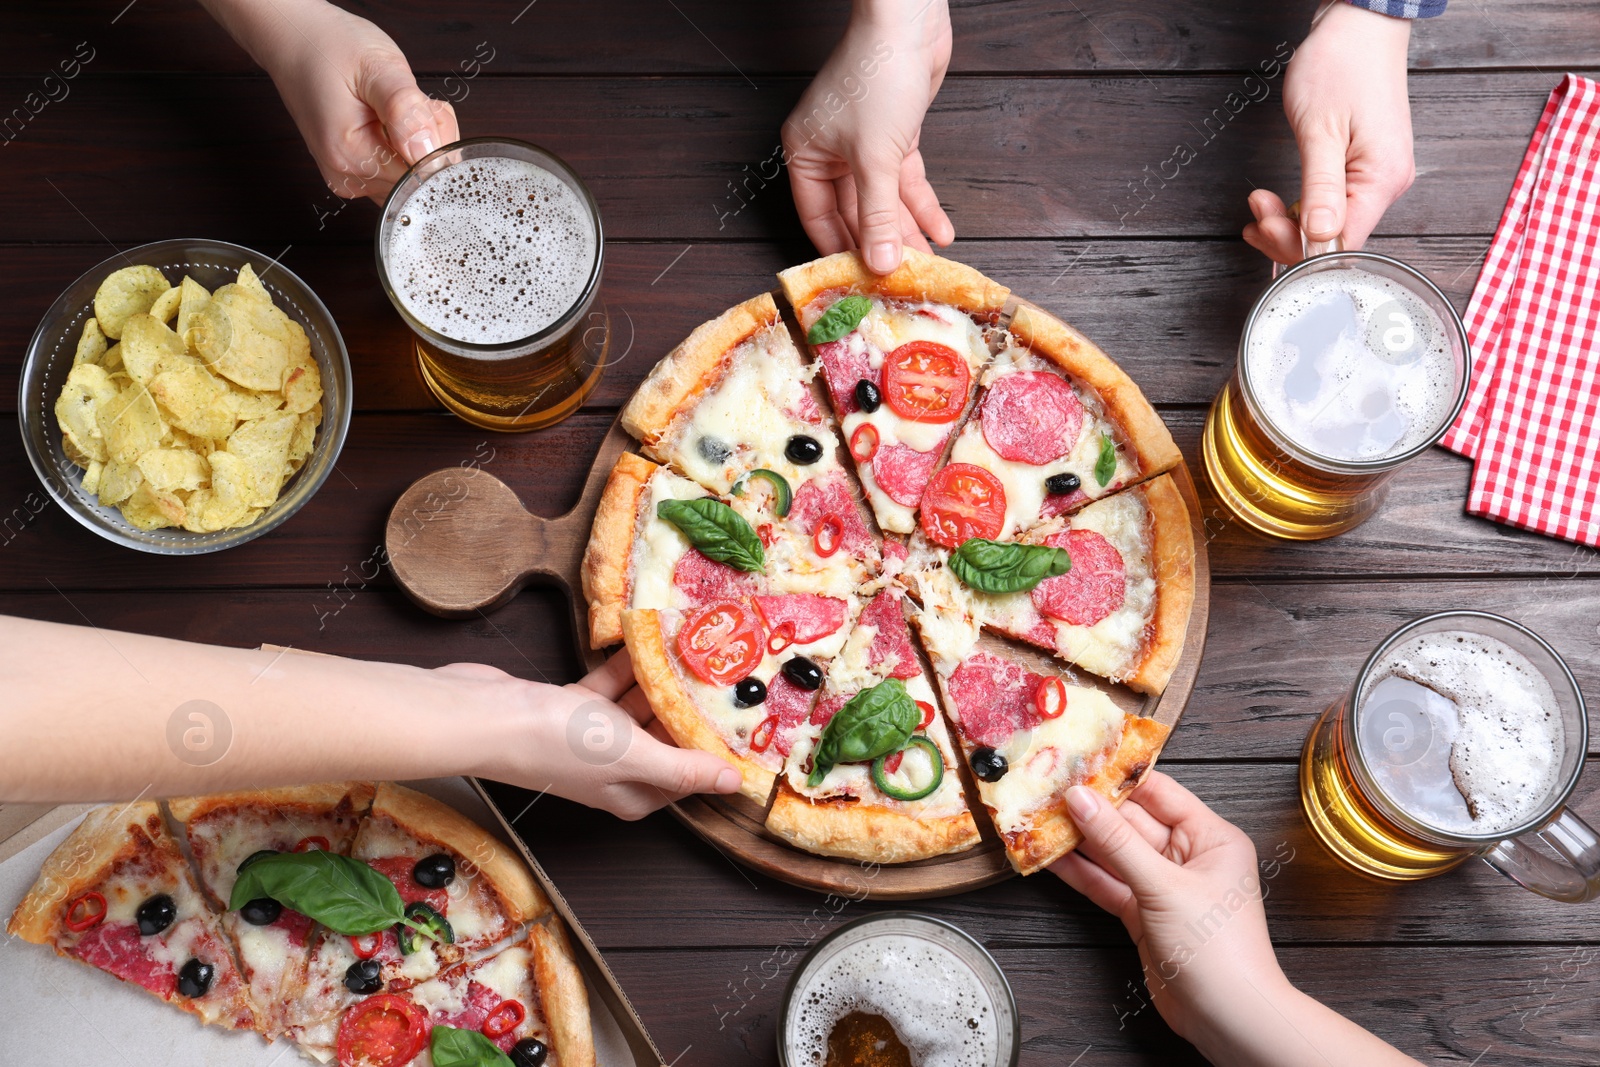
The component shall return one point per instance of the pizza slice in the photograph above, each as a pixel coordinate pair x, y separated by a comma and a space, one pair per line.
900, 355
117, 894
870, 774
224, 830
452, 876
813, 540
1121, 611
738, 676
1057, 424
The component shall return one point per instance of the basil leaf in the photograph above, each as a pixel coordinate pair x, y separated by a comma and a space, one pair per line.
875, 722
464, 1048
844, 316
1007, 567
343, 894
716, 530
1106, 465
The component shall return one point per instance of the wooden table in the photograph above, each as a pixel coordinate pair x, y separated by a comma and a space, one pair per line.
1046, 144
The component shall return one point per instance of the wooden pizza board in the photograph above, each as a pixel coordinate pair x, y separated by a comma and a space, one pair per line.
460, 543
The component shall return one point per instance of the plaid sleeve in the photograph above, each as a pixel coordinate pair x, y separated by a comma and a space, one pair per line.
1403, 9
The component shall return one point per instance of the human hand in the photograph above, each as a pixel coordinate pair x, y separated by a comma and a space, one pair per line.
1345, 96
348, 88
851, 144
597, 742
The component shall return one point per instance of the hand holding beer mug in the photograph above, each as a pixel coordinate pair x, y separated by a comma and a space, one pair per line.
491, 250
1463, 735
1351, 364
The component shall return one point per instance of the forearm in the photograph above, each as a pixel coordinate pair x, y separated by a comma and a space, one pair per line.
1273, 1024
265, 28
99, 715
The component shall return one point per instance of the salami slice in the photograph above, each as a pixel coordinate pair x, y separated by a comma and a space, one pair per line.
826, 706
813, 617
819, 498
844, 363
703, 579
893, 637
1031, 417
1092, 589
117, 948
903, 473
994, 698
1060, 504
792, 705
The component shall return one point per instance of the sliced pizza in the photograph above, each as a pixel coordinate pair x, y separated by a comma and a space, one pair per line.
117, 894
1057, 424
813, 540
225, 830
1120, 611
900, 355
870, 774
453, 877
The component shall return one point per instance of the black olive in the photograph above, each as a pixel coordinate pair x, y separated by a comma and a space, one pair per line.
714, 450
868, 398
248, 860
435, 871
803, 673
1061, 484
529, 1052
749, 693
803, 450
195, 978
989, 765
364, 976
156, 914
262, 911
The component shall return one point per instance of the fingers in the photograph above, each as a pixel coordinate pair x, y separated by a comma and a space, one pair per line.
1274, 233
878, 209
612, 678
923, 203
1322, 195
1149, 827
414, 123
816, 201
1168, 802
1103, 889
676, 772
1111, 842
1371, 191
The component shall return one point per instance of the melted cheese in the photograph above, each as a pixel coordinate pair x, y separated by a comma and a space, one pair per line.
658, 545
507, 974
1090, 725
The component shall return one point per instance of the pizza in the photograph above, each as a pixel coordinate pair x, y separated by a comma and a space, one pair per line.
474, 960
945, 454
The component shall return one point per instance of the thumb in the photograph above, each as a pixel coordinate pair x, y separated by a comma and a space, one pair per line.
414, 123
679, 772
1111, 842
1322, 165
878, 211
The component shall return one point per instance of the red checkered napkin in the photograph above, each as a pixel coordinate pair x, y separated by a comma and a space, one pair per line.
1530, 420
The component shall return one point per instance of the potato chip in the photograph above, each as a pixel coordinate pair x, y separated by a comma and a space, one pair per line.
248, 406
302, 386
194, 400
112, 360
248, 281
125, 293
166, 305
118, 481
150, 509
130, 424
194, 297
304, 438
148, 347
229, 502
78, 407
263, 445
173, 468
92, 345
91, 477
243, 338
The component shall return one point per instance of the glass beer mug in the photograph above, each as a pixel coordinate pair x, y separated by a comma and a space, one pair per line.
1350, 365
1401, 781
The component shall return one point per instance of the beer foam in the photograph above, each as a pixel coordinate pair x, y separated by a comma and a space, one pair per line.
936, 1004
1340, 382
1507, 744
491, 250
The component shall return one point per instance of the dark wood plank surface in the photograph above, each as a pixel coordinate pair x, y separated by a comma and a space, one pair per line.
1042, 145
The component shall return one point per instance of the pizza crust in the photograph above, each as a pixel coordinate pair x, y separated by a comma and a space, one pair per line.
656, 675
854, 830
676, 383
1148, 439
562, 992
320, 798
498, 867
105, 837
1172, 564
609, 555
920, 277
1051, 833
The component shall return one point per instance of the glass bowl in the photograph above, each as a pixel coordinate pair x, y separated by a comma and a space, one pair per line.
50, 355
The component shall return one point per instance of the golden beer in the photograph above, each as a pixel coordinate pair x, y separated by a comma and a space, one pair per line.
492, 252
1350, 365
1387, 780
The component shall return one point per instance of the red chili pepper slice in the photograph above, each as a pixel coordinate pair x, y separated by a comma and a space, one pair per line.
764, 531
1050, 698
781, 638
829, 535
93, 909
761, 736
318, 842
891, 762
506, 1017
366, 946
927, 717
864, 442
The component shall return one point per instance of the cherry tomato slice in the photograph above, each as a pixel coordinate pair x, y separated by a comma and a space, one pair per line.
864, 442
365, 946
829, 535
963, 501
761, 736
926, 382
927, 718
506, 1017
383, 1030
722, 642
318, 842
84, 912
1050, 699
